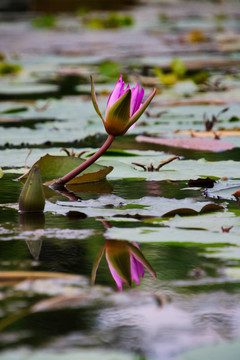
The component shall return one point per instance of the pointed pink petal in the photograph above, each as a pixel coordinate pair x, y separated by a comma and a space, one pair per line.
127, 88
140, 268
138, 263
115, 276
134, 98
139, 101
135, 251
140, 110
116, 93
136, 269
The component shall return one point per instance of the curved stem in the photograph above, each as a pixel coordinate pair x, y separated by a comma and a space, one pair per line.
63, 180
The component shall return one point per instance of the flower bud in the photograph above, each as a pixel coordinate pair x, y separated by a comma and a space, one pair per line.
124, 107
32, 198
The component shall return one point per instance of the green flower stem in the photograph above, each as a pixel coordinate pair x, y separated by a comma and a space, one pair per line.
59, 183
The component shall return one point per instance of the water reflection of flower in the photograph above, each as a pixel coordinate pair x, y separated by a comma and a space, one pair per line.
125, 261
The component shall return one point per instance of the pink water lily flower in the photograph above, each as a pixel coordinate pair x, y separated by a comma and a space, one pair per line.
124, 107
125, 261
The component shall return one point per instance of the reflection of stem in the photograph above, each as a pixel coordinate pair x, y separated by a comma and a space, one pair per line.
13, 318
63, 180
69, 194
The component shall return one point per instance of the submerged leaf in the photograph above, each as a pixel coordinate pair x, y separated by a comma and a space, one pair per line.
52, 167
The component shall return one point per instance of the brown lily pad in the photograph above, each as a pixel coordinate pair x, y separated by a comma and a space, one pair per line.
211, 134
208, 208
14, 277
189, 143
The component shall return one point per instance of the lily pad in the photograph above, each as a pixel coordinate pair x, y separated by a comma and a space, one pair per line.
14, 277
16, 121
208, 208
224, 190
23, 354
172, 235
212, 134
230, 350
52, 167
189, 143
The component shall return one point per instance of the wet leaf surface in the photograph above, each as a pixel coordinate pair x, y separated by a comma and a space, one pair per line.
53, 167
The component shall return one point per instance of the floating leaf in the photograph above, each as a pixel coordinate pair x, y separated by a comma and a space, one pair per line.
110, 69
47, 21
224, 190
211, 134
13, 277
14, 110
236, 194
189, 143
7, 69
212, 207
1, 173
115, 152
195, 36
66, 354
181, 212
178, 67
52, 167
221, 351
17, 121
208, 208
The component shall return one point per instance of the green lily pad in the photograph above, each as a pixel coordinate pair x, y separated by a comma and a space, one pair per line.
14, 110
52, 167
1, 173
23, 353
215, 352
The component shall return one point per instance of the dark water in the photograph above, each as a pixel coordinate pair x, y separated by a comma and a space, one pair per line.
189, 302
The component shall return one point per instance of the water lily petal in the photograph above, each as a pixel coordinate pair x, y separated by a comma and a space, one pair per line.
134, 98
118, 115
118, 259
96, 264
118, 280
139, 256
94, 99
141, 109
139, 100
140, 267
136, 269
116, 93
